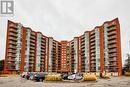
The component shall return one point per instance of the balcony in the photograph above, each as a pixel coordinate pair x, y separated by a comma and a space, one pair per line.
31, 62
32, 44
30, 65
92, 47
112, 51
83, 66
11, 55
112, 33
42, 59
82, 50
11, 51
111, 26
92, 44
113, 55
83, 47
13, 30
32, 55
32, 48
112, 59
13, 38
92, 40
43, 43
112, 42
43, 50
32, 37
82, 37
112, 46
13, 25
112, 37
11, 60
112, 64
32, 41
42, 46
93, 62
93, 68
93, 55
12, 34
12, 46
92, 58
33, 34
43, 40
92, 37
83, 43
12, 42
42, 53
92, 51
32, 51
31, 59
111, 29
92, 33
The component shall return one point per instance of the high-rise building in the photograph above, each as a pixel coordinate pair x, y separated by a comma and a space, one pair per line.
65, 57
98, 50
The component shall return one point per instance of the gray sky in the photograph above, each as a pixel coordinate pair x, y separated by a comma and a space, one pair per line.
64, 19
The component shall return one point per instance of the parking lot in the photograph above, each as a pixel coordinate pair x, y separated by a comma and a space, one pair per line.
17, 81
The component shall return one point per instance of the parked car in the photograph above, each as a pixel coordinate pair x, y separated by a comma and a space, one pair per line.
30, 75
23, 75
64, 76
39, 76
75, 77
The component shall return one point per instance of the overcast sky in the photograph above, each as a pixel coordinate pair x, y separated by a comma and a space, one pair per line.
64, 19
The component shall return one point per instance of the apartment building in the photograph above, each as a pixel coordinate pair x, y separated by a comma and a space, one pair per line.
54, 48
84, 48
74, 54
98, 50
27, 50
65, 57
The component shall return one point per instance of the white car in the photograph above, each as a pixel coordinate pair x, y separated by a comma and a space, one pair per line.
75, 77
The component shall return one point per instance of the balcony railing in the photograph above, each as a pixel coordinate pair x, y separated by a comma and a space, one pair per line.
112, 42
13, 30
112, 59
112, 46
13, 25
11, 51
32, 47
92, 47
33, 33
113, 55
32, 37
112, 33
92, 51
13, 34
11, 55
112, 50
112, 37
12, 46
12, 42
32, 55
31, 40
93, 32
13, 38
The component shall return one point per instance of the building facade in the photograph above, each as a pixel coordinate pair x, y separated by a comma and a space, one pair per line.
98, 50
